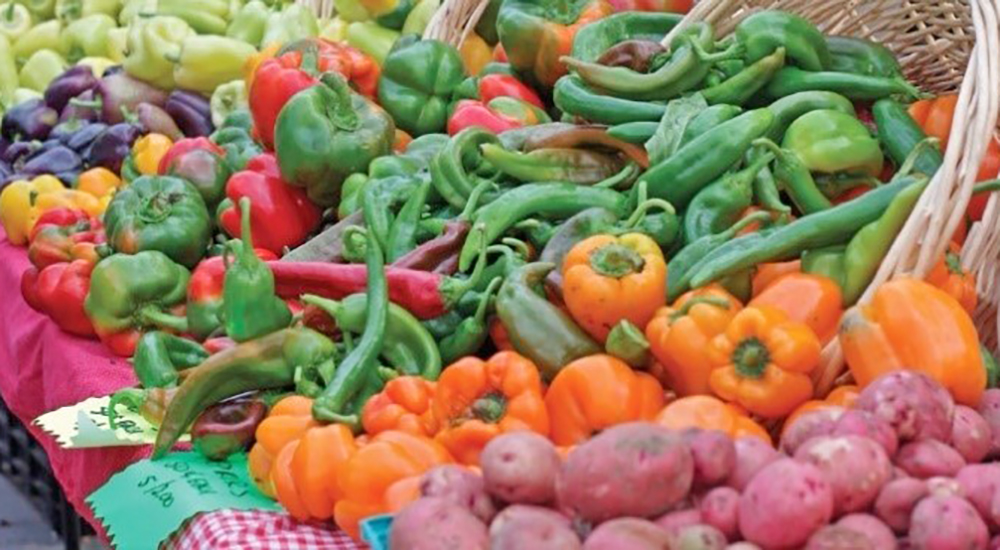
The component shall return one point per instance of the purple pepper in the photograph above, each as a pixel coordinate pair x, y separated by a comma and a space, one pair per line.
81, 107
4, 144
156, 120
14, 176
53, 161
16, 153
112, 146
29, 120
191, 112
119, 94
75, 81
64, 130
85, 136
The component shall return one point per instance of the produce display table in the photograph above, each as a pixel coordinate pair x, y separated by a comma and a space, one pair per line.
43, 369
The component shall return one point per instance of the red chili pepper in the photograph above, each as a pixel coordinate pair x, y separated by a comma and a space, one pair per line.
988, 170
277, 80
470, 112
59, 291
504, 85
184, 146
280, 215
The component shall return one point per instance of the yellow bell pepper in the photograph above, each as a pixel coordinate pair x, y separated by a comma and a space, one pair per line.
476, 53
254, 61
117, 44
97, 64
67, 198
148, 151
17, 203
99, 182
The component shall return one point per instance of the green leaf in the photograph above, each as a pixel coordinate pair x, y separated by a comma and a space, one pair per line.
676, 118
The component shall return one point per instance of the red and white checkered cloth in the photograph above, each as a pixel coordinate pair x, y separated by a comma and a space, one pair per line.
256, 530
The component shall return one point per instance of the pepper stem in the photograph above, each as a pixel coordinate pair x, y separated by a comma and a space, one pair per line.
246, 231
484, 302
133, 398
986, 187
914, 155
152, 316
332, 308
954, 263
616, 261
644, 207
96, 103
698, 300
518, 246
155, 208
623, 175
453, 289
751, 358
340, 108
756, 217
473, 201
489, 408
627, 342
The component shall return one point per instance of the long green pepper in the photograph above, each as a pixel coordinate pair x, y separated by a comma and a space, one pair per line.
741, 87
719, 205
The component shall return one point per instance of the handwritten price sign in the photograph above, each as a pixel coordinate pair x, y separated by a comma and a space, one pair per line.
86, 425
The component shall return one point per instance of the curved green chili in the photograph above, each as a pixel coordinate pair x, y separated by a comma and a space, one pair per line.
739, 88
471, 333
791, 107
796, 179
719, 205
575, 98
450, 173
790, 80
403, 232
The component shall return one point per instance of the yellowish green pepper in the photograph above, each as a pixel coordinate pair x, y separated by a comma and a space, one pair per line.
206, 62
41, 68
133, 9
373, 39
420, 17
117, 45
87, 37
71, 10
335, 30
351, 10
15, 20
40, 9
8, 73
249, 23
292, 23
97, 64
149, 41
40, 37
227, 99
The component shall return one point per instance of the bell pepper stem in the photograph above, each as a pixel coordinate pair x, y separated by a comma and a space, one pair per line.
95, 103
246, 253
340, 108
627, 342
616, 261
386, 374
151, 315
489, 408
751, 358
698, 300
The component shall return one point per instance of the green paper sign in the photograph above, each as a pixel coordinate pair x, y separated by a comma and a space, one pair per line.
144, 504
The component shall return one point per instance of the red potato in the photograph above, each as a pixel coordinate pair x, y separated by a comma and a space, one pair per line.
675, 522
945, 487
638, 469
947, 523
752, 454
784, 504
866, 424
895, 503
432, 523
521, 468
714, 456
522, 526
699, 537
995, 543
631, 533
980, 484
989, 408
459, 486
929, 458
970, 434
720, 508
833, 537
809, 425
914, 404
856, 468
743, 546
878, 533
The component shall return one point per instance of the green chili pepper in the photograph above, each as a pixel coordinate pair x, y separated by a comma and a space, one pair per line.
580, 166
691, 58
830, 227
718, 206
574, 97
8, 74
641, 132
680, 267
705, 158
634, 132
787, 109
160, 355
536, 328
596, 38
860, 56
764, 32
250, 307
765, 188
900, 135
537, 199
738, 89
361, 362
441, 327
471, 333
350, 194
790, 80
855, 266
455, 170
835, 185
403, 233
796, 179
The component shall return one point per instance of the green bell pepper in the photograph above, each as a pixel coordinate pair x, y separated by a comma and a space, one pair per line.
9, 80
326, 133
373, 39
249, 24
71, 10
87, 37
159, 213
15, 20
204, 63
227, 99
41, 68
233, 135
764, 32
420, 17
831, 141
44, 36
417, 82
292, 23
41, 10
396, 18
148, 41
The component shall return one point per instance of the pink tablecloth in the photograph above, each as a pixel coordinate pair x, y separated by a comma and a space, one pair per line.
43, 369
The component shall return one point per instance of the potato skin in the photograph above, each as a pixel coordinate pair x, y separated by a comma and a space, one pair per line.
720, 508
856, 468
809, 425
833, 537
522, 526
698, 537
459, 486
521, 468
637, 469
914, 404
631, 533
432, 523
714, 456
866, 424
989, 408
877, 532
947, 523
980, 484
895, 503
929, 458
784, 504
752, 455
971, 435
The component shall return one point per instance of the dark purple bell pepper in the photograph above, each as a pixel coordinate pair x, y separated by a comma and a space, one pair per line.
120, 94
82, 139
81, 107
64, 130
53, 161
111, 147
16, 153
192, 113
4, 144
28, 121
156, 121
75, 81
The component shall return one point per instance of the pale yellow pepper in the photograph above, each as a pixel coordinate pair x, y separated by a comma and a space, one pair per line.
147, 152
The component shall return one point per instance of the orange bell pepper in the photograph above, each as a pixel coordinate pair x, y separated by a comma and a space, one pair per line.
679, 336
404, 404
771, 272
810, 299
147, 152
286, 422
763, 361
306, 474
476, 53
608, 279
709, 413
99, 182
949, 276
596, 392
910, 324
381, 476
477, 400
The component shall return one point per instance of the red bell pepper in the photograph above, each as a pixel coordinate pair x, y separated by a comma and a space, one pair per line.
493, 86
59, 217
204, 294
280, 215
59, 291
182, 147
54, 244
499, 115
298, 67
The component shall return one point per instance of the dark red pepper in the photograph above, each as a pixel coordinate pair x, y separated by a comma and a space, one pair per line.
227, 428
504, 85
59, 291
434, 255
